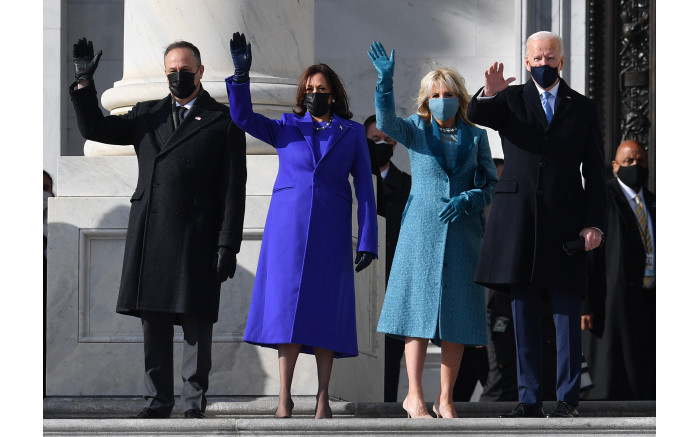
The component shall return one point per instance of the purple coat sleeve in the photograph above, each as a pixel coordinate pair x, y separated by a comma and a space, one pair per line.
364, 191
241, 109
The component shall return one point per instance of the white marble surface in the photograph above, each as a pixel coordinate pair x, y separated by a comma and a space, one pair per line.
54, 134
467, 35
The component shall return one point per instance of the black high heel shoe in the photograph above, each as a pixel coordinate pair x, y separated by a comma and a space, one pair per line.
290, 411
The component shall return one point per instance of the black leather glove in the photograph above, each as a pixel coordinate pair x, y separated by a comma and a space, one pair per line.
226, 265
362, 260
240, 53
85, 60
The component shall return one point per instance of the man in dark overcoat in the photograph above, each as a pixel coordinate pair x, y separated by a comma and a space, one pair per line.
393, 188
186, 219
551, 136
619, 341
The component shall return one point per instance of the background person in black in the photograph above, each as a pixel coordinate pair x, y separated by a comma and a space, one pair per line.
186, 218
393, 188
619, 322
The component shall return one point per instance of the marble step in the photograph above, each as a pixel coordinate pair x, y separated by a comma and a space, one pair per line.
352, 426
226, 407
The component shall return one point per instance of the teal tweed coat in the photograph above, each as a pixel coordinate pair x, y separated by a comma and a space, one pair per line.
431, 291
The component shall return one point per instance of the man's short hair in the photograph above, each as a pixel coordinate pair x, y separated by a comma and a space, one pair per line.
184, 45
371, 119
543, 34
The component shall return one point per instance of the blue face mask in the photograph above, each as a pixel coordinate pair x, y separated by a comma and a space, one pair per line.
544, 75
444, 109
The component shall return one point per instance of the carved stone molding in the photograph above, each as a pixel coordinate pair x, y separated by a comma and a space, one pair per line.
620, 72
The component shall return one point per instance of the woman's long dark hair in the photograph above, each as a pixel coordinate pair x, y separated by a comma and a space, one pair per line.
340, 106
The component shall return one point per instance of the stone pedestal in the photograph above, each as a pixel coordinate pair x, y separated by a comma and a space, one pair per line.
92, 350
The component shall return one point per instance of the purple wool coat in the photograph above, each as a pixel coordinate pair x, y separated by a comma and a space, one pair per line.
304, 289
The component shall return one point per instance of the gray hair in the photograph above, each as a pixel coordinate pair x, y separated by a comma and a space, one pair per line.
543, 34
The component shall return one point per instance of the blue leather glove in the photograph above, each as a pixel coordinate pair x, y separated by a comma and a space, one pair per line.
226, 263
455, 207
362, 260
240, 53
84, 59
384, 66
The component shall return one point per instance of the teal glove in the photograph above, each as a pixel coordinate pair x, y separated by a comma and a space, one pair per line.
455, 207
384, 66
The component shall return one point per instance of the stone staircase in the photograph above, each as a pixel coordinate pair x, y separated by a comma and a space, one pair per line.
247, 415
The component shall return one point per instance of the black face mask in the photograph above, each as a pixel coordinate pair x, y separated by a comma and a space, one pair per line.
633, 176
181, 84
544, 75
379, 154
317, 103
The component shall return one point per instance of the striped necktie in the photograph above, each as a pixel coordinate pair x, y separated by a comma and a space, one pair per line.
643, 224
181, 114
544, 97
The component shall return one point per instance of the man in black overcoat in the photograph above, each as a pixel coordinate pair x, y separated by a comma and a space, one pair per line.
393, 188
551, 136
619, 341
186, 218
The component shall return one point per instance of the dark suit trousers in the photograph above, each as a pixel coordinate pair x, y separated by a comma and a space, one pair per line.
158, 352
473, 367
393, 352
526, 301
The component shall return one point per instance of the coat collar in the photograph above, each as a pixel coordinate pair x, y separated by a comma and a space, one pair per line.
561, 106
337, 130
629, 219
200, 115
432, 134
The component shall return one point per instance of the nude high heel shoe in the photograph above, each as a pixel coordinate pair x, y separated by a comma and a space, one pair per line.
436, 410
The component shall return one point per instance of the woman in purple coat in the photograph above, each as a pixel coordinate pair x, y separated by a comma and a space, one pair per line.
304, 296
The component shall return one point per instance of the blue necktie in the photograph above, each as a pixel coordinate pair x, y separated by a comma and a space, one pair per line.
545, 104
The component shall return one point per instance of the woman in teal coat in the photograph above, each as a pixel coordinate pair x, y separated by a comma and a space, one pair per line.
431, 293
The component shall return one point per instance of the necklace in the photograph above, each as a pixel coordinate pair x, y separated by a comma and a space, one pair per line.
447, 130
324, 127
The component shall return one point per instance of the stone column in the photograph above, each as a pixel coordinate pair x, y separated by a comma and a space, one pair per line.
91, 350
281, 33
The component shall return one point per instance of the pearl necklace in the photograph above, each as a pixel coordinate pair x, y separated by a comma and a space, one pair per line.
447, 130
324, 127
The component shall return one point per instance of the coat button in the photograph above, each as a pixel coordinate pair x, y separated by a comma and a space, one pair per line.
546, 138
543, 164
540, 193
155, 185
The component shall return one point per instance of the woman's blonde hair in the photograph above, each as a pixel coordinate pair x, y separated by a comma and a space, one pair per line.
452, 81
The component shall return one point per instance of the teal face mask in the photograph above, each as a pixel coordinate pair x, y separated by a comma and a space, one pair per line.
444, 109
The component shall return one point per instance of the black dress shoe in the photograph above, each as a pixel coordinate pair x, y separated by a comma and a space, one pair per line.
563, 409
194, 413
525, 410
149, 413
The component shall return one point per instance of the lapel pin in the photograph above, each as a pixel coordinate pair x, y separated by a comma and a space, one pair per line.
198, 118
341, 127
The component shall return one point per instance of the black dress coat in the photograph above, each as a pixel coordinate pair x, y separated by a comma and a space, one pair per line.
621, 348
189, 200
392, 194
539, 202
